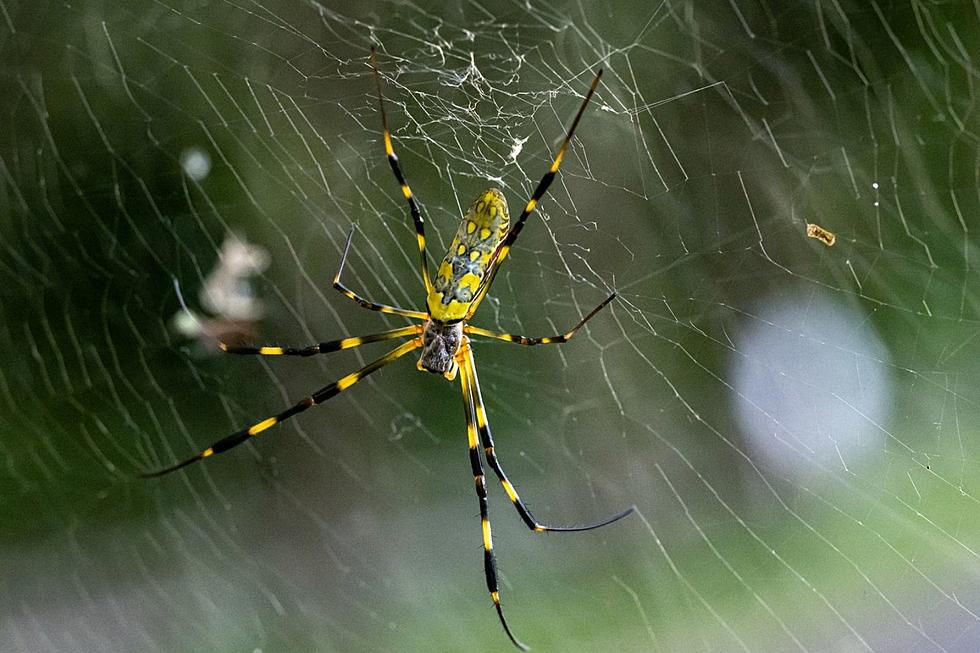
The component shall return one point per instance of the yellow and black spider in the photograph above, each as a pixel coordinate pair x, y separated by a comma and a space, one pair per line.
481, 244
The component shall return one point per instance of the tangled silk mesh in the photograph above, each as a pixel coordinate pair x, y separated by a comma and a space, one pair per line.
796, 422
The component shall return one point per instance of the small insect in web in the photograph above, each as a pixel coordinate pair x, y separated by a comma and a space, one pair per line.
825, 236
482, 242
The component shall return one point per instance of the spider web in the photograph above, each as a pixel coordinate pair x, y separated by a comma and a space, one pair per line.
795, 422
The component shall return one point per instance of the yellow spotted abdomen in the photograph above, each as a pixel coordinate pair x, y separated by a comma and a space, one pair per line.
459, 275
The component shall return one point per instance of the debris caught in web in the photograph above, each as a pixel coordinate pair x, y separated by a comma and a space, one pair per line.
231, 308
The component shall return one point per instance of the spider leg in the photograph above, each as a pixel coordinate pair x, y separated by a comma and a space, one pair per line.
324, 347
318, 397
549, 340
469, 366
504, 248
406, 191
489, 561
366, 303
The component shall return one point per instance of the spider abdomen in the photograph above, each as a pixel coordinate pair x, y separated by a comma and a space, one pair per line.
459, 276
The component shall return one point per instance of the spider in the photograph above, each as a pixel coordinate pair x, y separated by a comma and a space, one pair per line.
482, 242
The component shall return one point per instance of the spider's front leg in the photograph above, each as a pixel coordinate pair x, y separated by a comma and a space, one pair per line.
483, 427
489, 561
318, 397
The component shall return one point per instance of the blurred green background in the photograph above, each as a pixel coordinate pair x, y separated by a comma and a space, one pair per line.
796, 423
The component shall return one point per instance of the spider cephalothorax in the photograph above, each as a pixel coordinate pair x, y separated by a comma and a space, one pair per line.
440, 344
482, 242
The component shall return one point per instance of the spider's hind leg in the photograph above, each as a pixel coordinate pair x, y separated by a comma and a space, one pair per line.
413, 206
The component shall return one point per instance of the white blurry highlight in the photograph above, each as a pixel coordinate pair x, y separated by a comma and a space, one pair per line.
196, 163
227, 291
812, 383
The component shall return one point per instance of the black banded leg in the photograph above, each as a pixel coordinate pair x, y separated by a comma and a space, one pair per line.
483, 427
318, 397
324, 347
489, 562
406, 191
366, 303
549, 340
504, 248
